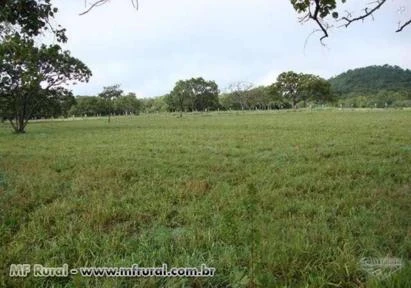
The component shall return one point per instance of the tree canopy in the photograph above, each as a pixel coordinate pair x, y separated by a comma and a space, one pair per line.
109, 95
33, 75
29, 18
371, 79
298, 87
97, 106
195, 94
373, 86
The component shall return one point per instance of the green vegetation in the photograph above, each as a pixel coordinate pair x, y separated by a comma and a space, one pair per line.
32, 77
242, 96
372, 86
303, 87
372, 79
270, 199
195, 94
33, 73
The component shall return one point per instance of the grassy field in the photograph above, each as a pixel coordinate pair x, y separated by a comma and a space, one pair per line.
270, 199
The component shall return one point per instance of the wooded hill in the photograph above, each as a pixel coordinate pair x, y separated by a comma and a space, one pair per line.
373, 85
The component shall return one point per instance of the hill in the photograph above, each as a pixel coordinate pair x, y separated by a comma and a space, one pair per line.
372, 79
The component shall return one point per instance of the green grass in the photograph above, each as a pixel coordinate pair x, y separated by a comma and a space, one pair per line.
270, 199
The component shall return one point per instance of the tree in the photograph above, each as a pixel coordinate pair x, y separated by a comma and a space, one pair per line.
372, 79
262, 97
289, 85
180, 95
109, 94
320, 11
276, 99
205, 94
128, 104
157, 104
170, 102
303, 87
373, 86
194, 94
239, 91
55, 107
315, 88
29, 18
88, 106
32, 76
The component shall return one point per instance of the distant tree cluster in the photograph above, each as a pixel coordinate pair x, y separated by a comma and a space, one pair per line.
110, 101
373, 86
243, 96
197, 94
154, 105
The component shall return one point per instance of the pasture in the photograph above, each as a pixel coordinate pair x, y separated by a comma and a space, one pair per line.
270, 199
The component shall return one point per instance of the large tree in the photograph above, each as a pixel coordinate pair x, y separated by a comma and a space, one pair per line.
195, 94
109, 95
297, 87
32, 76
205, 94
289, 85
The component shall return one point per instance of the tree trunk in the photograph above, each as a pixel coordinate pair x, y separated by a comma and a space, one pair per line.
19, 125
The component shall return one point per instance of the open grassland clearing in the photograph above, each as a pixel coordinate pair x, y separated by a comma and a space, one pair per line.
284, 199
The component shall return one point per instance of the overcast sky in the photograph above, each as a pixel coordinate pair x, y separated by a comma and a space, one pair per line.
148, 50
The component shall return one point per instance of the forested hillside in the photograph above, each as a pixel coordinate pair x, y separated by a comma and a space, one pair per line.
374, 85
371, 79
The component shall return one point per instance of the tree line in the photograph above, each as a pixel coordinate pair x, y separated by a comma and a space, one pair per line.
35, 76
354, 88
198, 94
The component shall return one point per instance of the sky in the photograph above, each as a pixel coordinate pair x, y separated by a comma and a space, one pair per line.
148, 50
